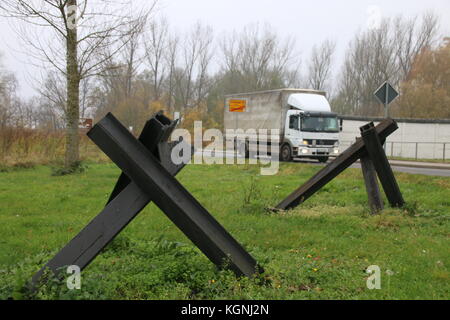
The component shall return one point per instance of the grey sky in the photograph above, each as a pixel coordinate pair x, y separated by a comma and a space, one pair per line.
309, 22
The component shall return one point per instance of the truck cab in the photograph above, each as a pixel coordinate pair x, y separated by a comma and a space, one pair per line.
302, 119
311, 129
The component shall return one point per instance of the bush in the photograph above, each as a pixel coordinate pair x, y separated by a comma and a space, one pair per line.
77, 167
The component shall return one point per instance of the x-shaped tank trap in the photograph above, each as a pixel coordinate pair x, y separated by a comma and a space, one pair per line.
148, 174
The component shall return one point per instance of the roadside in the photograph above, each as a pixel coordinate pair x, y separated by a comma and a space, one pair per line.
421, 160
394, 162
412, 167
420, 164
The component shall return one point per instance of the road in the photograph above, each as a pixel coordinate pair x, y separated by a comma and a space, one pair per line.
412, 170
398, 168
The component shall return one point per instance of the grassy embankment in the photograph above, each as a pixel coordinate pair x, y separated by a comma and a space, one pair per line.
317, 251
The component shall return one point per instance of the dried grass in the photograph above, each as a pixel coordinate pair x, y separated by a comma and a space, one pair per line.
33, 146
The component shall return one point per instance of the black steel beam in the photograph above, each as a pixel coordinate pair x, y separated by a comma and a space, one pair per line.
342, 162
379, 159
127, 202
371, 182
171, 197
152, 134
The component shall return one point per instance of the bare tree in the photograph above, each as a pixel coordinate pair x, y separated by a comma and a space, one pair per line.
8, 99
132, 56
256, 59
171, 61
190, 74
203, 81
412, 36
370, 60
53, 92
156, 49
320, 64
82, 31
378, 55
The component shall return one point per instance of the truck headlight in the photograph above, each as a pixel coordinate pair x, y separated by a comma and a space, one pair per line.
336, 151
304, 151
305, 142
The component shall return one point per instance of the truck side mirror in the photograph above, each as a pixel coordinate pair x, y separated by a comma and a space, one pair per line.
341, 124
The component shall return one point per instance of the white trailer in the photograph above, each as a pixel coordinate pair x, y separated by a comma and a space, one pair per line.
307, 127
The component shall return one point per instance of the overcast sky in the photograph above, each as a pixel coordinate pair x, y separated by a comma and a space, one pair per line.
309, 22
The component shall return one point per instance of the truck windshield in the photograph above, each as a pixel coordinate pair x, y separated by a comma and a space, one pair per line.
320, 124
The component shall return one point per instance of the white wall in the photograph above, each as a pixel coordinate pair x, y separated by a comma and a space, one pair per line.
428, 138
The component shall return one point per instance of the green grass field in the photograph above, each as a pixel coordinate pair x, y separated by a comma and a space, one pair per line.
318, 251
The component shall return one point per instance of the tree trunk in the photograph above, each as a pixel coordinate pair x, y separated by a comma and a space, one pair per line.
73, 91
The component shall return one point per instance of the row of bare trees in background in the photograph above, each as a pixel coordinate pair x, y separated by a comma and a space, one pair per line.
84, 36
135, 64
386, 53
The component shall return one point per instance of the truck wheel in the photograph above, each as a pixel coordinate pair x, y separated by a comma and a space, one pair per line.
285, 153
323, 159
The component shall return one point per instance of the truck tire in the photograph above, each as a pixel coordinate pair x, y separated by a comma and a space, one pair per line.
285, 153
323, 159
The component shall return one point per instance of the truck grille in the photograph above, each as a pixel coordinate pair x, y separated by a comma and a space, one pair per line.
321, 142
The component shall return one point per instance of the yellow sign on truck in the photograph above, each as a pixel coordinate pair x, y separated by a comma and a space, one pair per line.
237, 105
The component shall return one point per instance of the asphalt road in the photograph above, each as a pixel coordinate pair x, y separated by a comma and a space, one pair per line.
423, 171
397, 168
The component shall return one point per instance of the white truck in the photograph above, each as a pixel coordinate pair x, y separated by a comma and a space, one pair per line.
307, 127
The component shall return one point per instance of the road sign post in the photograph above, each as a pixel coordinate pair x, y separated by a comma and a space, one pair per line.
386, 94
